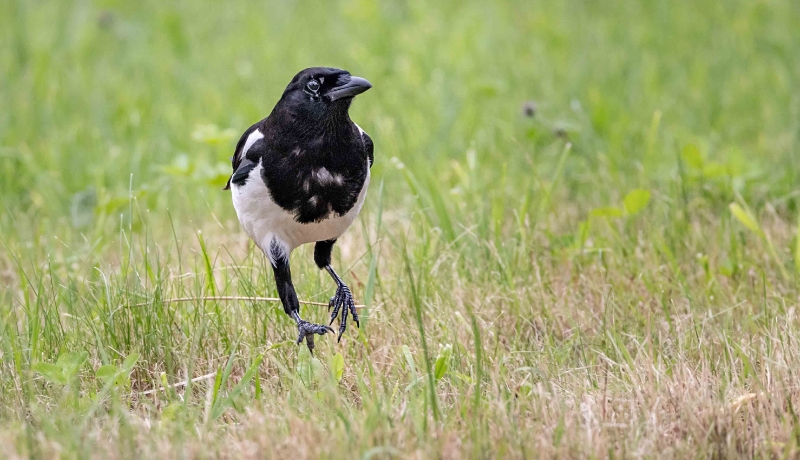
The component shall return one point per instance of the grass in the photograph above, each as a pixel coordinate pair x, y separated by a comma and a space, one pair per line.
616, 276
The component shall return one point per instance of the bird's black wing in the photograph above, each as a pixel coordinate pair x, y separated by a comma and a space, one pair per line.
236, 159
242, 172
369, 146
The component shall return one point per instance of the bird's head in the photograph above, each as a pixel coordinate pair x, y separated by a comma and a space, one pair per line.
320, 93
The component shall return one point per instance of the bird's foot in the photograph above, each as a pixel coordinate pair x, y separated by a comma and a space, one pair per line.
343, 300
307, 330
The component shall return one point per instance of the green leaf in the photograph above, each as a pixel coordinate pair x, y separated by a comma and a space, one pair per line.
106, 372
608, 212
338, 366
51, 372
70, 363
443, 362
129, 362
745, 217
692, 156
71, 360
309, 369
317, 370
303, 368
441, 367
636, 200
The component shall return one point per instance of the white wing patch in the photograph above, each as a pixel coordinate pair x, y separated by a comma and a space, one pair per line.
251, 139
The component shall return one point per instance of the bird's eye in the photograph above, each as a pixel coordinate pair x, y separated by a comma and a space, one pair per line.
313, 86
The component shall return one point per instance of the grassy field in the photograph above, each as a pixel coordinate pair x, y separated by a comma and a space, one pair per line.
581, 237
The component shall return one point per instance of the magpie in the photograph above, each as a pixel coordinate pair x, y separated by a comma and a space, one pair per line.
300, 176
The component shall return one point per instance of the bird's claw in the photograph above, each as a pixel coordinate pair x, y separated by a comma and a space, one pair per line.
307, 330
343, 300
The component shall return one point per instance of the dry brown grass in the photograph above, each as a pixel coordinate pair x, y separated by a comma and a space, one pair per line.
621, 357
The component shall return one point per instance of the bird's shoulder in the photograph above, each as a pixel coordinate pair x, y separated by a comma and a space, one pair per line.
250, 137
247, 152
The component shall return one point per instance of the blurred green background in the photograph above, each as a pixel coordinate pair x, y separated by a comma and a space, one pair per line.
99, 97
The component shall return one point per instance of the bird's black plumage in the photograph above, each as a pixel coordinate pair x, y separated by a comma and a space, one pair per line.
306, 160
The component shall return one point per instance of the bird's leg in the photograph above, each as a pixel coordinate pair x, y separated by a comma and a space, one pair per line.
343, 299
283, 280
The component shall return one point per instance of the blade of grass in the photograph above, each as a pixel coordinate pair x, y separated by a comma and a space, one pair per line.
417, 304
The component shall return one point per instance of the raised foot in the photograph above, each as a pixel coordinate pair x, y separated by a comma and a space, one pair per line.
343, 300
307, 330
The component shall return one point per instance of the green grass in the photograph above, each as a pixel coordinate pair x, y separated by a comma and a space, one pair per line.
616, 276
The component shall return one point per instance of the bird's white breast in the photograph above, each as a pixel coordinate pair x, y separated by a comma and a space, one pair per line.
264, 220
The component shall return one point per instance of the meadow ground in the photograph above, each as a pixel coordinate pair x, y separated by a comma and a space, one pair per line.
613, 271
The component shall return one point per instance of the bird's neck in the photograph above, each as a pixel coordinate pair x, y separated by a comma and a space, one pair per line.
333, 125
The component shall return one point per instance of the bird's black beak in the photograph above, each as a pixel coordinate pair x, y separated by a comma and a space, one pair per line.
352, 87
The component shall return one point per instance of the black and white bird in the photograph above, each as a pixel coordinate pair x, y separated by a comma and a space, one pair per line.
300, 176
